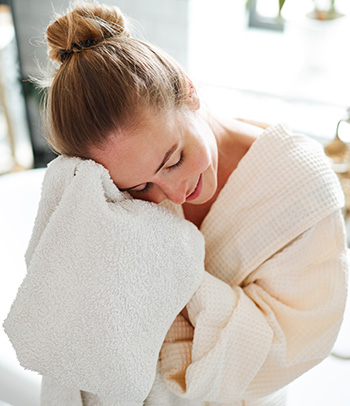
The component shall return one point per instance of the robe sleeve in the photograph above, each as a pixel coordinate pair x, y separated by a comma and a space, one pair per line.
250, 340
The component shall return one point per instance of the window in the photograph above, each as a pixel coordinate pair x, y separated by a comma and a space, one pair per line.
264, 14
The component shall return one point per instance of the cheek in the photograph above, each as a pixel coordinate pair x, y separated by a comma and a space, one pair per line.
202, 158
205, 148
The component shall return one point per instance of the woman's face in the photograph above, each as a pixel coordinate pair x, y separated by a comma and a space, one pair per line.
169, 155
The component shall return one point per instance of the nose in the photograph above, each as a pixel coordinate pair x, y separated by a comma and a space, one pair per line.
176, 192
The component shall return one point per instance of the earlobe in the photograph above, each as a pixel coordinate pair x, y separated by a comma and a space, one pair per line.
192, 95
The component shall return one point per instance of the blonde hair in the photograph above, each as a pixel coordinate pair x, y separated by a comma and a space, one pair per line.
103, 78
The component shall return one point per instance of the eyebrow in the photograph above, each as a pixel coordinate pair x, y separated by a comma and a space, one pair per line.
165, 160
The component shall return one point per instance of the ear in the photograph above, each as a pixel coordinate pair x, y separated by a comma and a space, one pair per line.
193, 98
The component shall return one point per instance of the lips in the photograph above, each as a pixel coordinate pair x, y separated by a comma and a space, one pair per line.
197, 190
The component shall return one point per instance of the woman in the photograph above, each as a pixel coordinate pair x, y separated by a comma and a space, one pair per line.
266, 201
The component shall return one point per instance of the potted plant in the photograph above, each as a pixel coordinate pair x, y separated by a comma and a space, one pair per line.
323, 10
315, 29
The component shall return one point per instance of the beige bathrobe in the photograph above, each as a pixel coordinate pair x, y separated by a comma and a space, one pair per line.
274, 291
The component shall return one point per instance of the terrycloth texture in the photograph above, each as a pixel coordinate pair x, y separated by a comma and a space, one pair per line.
106, 277
273, 297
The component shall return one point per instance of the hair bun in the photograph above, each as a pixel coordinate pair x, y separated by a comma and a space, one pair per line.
84, 22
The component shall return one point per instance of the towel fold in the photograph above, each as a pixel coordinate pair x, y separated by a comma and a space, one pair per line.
106, 277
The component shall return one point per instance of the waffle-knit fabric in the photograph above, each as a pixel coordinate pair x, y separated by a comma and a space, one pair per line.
272, 300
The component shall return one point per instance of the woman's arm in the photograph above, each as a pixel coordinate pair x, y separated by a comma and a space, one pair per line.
253, 339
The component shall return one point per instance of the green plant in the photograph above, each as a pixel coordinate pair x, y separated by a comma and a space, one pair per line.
319, 13
324, 13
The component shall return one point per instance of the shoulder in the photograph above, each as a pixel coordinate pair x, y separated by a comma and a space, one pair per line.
291, 150
283, 186
276, 148
281, 163
292, 162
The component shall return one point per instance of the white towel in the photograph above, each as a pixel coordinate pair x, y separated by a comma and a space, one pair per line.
106, 277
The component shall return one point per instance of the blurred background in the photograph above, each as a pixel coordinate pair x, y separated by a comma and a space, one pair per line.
247, 58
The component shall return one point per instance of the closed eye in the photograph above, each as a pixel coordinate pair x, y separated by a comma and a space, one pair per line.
148, 185
145, 189
178, 163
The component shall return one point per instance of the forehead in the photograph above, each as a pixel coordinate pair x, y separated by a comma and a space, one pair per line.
133, 156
